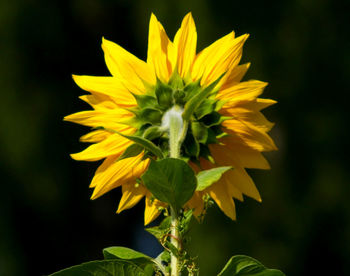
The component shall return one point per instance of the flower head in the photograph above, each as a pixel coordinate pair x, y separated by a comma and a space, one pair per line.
226, 127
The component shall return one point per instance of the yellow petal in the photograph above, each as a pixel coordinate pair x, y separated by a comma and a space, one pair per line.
109, 86
161, 51
103, 117
99, 101
232, 155
95, 136
152, 209
113, 145
132, 194
232, 190
235, 75
222, 198
218, 58
258, 104
132, 71
100, 172
240, 179
196, 203
117, 173
251, 136
243, 91
247, 116
236, 177
185, 42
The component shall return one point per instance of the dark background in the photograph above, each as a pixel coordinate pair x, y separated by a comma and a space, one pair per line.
47, 221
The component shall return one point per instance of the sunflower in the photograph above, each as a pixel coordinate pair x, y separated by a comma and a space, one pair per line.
226, 129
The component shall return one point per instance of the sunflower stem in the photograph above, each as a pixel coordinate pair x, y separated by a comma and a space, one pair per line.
175, 237
173, 122
177, 132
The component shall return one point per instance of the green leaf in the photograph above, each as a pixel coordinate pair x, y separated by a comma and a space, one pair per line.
208, 177
164, 256
197, 99
246, 266
140, 141
185, 222
162, 229
131, 151
102, 268
149, 270
170, 180
200, 132
146, 144
124, 253
145, 262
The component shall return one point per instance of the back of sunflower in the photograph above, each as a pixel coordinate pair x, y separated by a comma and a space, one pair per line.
178, 130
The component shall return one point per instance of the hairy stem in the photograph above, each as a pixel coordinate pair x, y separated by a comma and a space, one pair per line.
177, 132
175, 268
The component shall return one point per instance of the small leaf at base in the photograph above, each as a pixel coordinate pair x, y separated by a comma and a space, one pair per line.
208, 177
241, 265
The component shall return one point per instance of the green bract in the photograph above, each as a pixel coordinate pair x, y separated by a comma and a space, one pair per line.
200, 113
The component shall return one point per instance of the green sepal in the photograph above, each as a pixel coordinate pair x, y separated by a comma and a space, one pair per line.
199, 131
131, 151
211, 138
179, 97
133, 122
175, 80
191, 146
153, 132
103, 267
191, 89
205, 108
241, 265
148, 145
197, 99
205, 153
149, 88
144, 101
213, 119
150, 115
219, 104
164, 94
208, 177
170, 180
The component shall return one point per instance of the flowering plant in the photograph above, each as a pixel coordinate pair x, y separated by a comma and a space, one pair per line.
178, 130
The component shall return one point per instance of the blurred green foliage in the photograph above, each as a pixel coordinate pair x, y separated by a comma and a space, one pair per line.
300, 47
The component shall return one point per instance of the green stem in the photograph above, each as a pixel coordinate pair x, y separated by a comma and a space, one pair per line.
175, 237
177, 132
